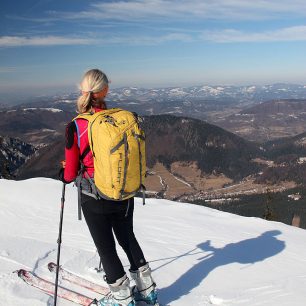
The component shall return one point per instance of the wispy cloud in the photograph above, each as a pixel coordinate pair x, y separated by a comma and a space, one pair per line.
18, 41
147, 39
118, 19
7, 69
297, 33
151, 10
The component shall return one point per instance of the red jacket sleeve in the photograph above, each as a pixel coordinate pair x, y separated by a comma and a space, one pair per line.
71, 153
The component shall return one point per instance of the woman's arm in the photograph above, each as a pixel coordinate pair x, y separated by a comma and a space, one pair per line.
71, 154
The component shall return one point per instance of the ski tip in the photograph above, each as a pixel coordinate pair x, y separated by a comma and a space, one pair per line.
21, 272
51, 266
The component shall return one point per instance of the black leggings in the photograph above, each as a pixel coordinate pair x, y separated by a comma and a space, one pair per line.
105, 217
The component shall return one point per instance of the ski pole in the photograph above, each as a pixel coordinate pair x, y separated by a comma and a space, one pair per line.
59, 241
100, 266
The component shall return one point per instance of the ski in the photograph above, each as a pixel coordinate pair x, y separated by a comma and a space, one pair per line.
82, 282
48, 287
78, 280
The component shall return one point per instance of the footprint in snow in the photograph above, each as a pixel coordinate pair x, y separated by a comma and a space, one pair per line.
4, 253
215, 300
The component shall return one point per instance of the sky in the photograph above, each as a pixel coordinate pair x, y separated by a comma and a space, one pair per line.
47, 45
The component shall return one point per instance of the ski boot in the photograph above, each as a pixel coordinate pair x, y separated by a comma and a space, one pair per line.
120, 294
145, 287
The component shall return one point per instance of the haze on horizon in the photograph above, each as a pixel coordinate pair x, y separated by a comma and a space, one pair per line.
46, 46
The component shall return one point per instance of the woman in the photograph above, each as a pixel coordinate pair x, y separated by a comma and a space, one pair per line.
105, 217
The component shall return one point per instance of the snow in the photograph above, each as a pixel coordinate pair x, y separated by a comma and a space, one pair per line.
53, 110
177, 92
66, 101
211, 90
199, 256
29, 109
251, 89
50, 109
181, 180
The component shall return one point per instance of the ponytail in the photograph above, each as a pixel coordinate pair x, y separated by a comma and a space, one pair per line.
93, 83
84, 103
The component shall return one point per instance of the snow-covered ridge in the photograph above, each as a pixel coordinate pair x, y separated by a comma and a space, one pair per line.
50, 109
199, 256
256, 93
239, 93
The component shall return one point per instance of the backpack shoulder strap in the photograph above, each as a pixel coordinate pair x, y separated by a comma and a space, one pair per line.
85, 116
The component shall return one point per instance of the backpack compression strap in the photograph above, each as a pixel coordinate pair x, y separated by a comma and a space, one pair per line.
85, 152
78, 181
82, 169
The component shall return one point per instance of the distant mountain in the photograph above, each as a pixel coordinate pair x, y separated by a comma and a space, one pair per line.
289, 160
295, 145
268, 120
242, 110
282, 106
203, 102
237, 93
210, 92
171, 139
34, 125
45, 162
13, 153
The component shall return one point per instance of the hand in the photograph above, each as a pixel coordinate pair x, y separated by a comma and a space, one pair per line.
63, 164
62, 171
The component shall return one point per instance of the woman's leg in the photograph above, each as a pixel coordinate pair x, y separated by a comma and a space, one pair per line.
140, 270
100, 226
123, 229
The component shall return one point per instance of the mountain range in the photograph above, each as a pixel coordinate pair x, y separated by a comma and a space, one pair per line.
202, 102
258, 93
268, 120
204, 143
230, 107
235, 108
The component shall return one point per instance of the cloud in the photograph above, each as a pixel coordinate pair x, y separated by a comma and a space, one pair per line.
18, 41
297, 33
152, 10
147, 39
7, 69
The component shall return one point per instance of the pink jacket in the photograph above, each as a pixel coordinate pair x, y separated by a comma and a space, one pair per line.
73, 153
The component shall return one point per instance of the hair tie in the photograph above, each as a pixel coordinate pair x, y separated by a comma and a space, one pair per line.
85, 93
100, 94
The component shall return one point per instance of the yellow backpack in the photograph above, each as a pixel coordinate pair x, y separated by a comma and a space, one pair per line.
118, 146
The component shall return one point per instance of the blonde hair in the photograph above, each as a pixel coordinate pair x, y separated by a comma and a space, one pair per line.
93, 81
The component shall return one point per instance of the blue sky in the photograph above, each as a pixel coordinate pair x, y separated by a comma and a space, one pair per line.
46, 46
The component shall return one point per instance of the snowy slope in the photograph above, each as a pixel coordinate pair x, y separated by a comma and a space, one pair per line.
199, 256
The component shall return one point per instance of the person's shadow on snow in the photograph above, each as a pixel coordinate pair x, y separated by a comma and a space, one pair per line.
248, 251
